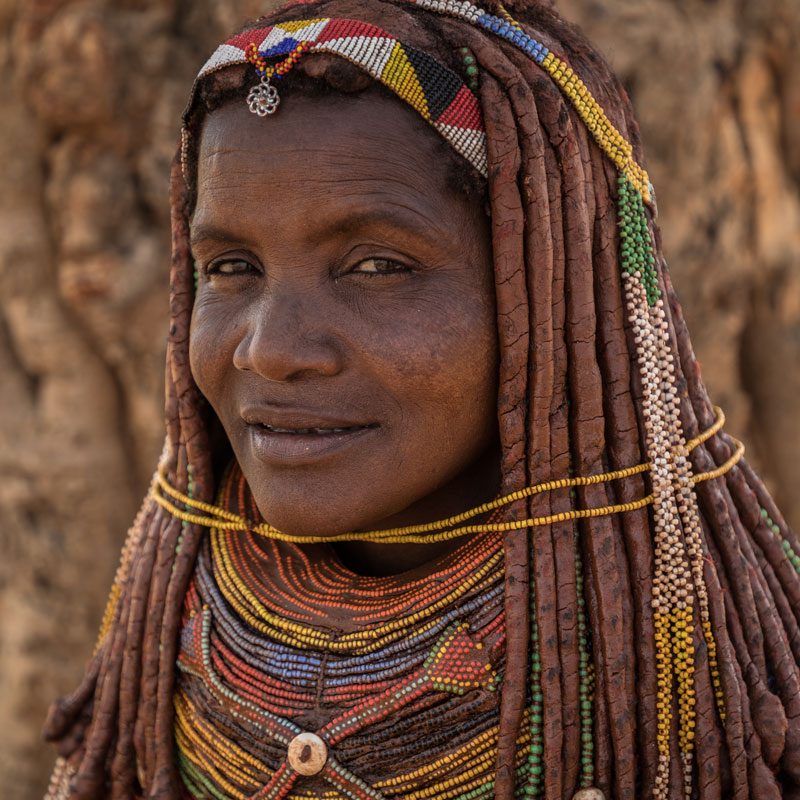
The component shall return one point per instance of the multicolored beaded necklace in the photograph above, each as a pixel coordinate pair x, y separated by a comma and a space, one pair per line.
299, 678
275, 637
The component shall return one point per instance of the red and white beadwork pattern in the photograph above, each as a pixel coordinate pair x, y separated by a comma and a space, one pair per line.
437, 93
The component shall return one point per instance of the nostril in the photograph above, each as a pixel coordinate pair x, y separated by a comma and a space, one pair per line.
241, 359
282, 353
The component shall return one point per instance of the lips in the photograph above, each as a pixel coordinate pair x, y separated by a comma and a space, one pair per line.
285, 437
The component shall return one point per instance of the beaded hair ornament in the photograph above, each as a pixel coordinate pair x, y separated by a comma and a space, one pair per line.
430, 88
443, 100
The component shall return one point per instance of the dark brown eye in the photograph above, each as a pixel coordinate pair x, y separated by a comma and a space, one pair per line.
230, 266
379, 266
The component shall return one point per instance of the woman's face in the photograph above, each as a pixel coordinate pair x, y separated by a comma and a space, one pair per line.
344, 324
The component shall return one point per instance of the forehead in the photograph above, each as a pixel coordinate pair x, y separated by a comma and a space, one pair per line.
345, 139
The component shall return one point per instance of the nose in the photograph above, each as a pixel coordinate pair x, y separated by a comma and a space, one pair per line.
287, 338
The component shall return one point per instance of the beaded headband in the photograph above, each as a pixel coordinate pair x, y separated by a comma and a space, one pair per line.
437, 93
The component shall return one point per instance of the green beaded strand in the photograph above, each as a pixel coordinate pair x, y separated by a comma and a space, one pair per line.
487, 789
533, 767
197, 783
585, 665
470, 67
636, 242
585, 676
791, 553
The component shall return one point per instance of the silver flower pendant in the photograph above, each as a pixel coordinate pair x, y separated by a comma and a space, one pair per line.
263, 98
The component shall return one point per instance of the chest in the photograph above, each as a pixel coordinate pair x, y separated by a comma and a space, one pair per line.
313, 685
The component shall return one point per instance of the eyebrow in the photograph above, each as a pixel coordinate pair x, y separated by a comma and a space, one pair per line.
398, 218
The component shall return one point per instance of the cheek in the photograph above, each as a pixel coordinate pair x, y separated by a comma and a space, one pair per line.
444, 363
211, 343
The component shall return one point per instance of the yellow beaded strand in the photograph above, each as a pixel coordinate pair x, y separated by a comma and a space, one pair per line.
192, 746
480, 753
722, 468
611, 141
507, 17
716, 681
481, 747
235, 761
442, 530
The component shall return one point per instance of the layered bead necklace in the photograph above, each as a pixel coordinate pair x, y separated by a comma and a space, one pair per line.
299, 678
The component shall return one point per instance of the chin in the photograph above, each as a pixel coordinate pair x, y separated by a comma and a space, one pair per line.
313, 514
304, 520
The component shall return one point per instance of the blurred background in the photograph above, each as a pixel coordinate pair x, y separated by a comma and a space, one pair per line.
91, 94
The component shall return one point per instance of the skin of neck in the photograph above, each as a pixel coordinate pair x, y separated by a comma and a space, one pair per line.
478, 484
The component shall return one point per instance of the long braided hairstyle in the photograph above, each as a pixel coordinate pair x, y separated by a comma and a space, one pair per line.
693, 605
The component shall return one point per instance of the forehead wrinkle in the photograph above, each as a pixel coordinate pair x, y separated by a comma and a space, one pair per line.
390, 150
317, 126
371, 213
358, 163
352, 189
332, 174
365, 191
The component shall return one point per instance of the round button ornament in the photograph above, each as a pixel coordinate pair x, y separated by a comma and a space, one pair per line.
307, 754
588, 794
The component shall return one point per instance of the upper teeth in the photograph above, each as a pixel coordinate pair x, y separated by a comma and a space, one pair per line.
307, 430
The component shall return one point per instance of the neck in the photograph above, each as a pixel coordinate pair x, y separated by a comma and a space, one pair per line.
477, 484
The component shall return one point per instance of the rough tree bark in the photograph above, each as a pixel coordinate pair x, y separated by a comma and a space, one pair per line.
91, 95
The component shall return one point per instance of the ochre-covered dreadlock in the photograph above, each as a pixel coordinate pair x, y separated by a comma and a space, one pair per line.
690, 601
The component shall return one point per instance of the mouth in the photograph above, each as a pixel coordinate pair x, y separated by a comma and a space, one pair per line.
317, 431
301, 439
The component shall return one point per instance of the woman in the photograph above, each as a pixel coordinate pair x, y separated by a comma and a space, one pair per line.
415, 268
